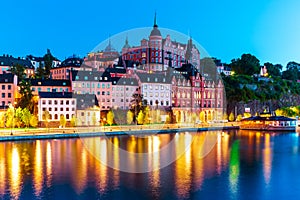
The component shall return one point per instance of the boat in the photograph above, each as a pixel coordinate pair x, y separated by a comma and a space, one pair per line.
271, 123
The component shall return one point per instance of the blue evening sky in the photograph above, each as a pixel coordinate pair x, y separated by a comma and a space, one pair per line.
269, 29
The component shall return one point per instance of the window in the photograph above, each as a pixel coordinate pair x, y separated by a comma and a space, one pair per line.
43, 102
108, 85
3, 87
73, 102
55, 109
55, 102
67, 116
67, 109
9, 95
49, 102
103, 92
3, 95
48, 89
56, 116
50, 109
61, 102
61, 109
39, 89
108, 93
103, 85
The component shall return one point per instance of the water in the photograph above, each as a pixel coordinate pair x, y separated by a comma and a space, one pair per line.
238, 165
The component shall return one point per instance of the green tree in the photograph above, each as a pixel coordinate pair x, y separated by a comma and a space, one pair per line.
33, 121
231, 117
73, 121
273, 70
247, 64
10, 117
146, 115
62, 121
18, 117
2, 120
129, 117
239, 118
26, 96
26, 116
110, 117
48, 62
202, 116
19, 70
46, 117
140, 118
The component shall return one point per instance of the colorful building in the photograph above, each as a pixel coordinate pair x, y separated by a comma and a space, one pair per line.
8, 85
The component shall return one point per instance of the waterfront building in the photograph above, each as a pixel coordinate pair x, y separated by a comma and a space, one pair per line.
8, 85
156, 89
49, 85
123, 91
93, 82
88, 111
57, 104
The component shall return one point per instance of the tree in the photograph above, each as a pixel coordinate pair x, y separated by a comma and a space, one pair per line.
26, 116
19, 71
202, 116
130, 116
140, 118
46, 117
110, 117
18, 117
146, 115
231, 117
48, 61
73, 121
292, 71
26, 96
273, 70
2, 120
247, 64
239, 118
33, 121
10, 117
62, 121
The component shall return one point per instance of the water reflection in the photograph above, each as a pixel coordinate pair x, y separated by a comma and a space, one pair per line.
67, 167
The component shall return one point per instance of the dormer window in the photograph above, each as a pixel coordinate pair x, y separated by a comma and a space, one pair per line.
39, 83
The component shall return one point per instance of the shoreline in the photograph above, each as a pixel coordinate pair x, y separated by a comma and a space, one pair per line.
45, 135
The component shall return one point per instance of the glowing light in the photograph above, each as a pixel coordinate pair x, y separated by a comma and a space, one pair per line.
15, 173
38, 169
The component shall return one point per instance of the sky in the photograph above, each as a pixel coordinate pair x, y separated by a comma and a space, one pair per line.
268, 29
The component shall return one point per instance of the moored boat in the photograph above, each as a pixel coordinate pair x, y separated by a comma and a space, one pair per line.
272, 123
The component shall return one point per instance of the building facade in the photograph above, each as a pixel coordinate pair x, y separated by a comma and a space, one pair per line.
9, 88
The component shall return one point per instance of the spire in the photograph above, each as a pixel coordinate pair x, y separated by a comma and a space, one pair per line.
155, 24
126, 45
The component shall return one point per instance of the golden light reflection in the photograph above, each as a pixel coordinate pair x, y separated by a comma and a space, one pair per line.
80, 174
15, 173
116, 152
49, 164
102, 168
183, 166
2, 176
154, 159
38, 169
267, 159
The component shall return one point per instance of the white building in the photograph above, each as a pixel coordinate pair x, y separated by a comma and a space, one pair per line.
155, 88
57, 104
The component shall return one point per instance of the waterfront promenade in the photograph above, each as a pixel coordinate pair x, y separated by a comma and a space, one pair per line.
56, 133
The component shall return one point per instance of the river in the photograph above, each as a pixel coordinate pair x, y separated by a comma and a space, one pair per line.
204, 165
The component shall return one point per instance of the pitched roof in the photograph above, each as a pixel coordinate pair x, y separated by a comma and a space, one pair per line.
124, 81
90, 76
56, 95
86, 101
154, 78
49, 82
6, 78
10, 61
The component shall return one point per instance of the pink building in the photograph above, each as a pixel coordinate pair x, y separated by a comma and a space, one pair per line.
93, 82
123, 90
8, 87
